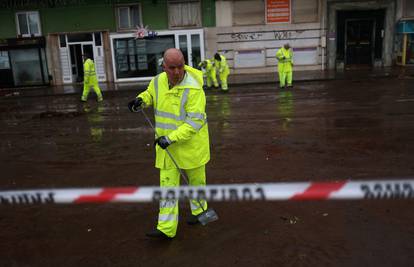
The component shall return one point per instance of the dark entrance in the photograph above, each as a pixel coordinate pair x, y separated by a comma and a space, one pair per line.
359, 41
360, 36
76, 52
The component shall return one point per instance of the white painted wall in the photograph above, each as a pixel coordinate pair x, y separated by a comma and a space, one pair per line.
238, 43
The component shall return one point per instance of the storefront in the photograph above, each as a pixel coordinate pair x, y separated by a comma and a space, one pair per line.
23, 62
137, 57
405, 41
71, 48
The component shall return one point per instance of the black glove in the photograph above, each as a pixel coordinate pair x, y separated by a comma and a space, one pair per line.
163, 142
135, 104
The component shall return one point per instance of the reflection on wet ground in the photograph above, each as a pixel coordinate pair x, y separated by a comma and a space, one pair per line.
316, 131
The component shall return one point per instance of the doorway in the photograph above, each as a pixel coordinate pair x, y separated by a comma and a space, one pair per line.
360, 38
76, 60
359, 41
192, 46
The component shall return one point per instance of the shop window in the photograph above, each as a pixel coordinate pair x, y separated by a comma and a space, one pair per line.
140, 57
28, 24
62, 40
305, 11
4, 60
98, 39
184, 14
129, 17
248, 12
409, 8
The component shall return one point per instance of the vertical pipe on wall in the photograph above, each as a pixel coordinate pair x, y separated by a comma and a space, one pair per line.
323, 33
404, 50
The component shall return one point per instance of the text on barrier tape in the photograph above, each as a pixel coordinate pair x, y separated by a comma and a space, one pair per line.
381, 189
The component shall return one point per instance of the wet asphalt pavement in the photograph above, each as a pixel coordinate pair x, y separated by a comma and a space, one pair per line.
318, 131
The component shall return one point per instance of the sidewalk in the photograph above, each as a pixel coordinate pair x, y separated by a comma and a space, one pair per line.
235, 80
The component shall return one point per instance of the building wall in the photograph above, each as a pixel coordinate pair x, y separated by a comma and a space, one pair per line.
77, 19
7, 24
243, 43
155, 16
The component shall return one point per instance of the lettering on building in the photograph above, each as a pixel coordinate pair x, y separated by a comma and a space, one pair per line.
282, 35
19, 4
246, 36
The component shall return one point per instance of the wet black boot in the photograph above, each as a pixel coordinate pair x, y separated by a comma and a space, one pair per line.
192, 220
157, 234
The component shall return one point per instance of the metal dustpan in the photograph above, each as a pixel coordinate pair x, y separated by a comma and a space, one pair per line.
207, 216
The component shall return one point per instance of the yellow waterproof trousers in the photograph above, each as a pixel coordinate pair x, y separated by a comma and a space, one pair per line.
168, 214
285, 76
93, 82
223, 79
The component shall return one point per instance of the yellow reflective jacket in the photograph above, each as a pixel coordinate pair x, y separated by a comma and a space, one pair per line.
180, 115
222, 66
285, 59
89, 74
209, 68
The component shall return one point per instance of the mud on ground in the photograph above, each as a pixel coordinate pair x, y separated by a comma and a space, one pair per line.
320, 131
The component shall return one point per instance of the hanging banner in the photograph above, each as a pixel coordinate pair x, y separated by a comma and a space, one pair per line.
277, 11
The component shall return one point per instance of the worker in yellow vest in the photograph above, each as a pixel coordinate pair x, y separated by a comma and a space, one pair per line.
179, 103
223, 70
89, 79
285, 65
210, 72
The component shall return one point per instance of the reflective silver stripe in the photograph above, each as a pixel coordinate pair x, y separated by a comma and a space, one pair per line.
183, 102
167, 217
193, 124
166, 115
170, 115
195, 205
156, 90
165, 125
195, 115
167, 203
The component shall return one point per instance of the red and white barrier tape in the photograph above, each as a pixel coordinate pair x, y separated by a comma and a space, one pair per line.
374, 189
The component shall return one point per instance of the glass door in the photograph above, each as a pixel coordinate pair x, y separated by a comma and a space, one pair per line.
191, 43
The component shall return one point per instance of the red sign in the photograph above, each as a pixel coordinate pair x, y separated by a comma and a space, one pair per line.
277, 11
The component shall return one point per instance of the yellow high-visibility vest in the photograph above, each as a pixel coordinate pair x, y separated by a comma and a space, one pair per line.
180, 115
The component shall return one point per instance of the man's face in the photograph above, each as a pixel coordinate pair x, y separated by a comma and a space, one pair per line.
174, 70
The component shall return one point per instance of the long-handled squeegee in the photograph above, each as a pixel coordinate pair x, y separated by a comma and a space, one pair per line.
206, 216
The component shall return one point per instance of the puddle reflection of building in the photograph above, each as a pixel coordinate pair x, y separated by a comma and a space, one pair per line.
285, 108
95, 119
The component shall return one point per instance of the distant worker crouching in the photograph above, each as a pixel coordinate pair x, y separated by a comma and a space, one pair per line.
285, 65
210, 72
223, 70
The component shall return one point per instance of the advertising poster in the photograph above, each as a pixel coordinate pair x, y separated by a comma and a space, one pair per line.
277, 11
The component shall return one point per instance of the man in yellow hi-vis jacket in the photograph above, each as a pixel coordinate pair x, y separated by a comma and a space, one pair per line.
89, 79
210, 72
179, 102
223, 70
284, 66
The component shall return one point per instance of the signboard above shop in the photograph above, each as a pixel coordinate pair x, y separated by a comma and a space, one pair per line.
278, 11
405, 26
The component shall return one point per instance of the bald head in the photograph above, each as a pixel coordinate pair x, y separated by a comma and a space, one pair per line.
173, 55
174, 65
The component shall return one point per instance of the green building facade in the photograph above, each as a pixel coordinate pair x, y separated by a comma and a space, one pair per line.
42, 42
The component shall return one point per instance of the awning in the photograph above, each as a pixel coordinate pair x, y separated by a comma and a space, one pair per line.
405, 26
